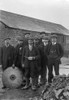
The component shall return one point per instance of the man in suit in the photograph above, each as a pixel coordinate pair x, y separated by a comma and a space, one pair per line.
44, 60
30, 58
36, 44
54, 53
6, 54
18, 52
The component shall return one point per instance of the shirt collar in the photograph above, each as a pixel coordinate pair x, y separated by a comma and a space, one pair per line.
53, 43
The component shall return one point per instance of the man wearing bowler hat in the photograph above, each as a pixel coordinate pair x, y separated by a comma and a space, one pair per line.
54, 54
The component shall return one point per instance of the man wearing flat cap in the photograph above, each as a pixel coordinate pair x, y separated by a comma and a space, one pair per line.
29, 61
37, 45
7, 54
44, 60
26, 35
36, 40
54, 53
18, 52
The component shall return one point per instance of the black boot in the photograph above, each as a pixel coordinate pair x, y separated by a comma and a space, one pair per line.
4, 87
34, 83
27, 84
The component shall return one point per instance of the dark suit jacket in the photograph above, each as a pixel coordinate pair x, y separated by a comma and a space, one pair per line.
59, 49
18, 54
43, 54
6, 56
25, 54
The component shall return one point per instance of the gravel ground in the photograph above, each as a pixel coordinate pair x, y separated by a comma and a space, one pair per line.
18, 94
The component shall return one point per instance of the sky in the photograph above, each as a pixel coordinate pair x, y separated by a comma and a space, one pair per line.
56, 11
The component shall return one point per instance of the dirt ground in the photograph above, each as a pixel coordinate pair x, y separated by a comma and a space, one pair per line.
19, 94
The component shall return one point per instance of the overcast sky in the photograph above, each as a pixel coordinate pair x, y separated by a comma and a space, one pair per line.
49, 10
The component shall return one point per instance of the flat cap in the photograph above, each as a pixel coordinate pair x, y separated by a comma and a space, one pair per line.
45, 37
53, 36
20, 38
8, 38
37, 37
42, 33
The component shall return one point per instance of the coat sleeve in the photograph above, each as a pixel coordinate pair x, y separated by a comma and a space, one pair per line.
1, 55
13, 55
23, 55
37, 54
47, 49
61, 51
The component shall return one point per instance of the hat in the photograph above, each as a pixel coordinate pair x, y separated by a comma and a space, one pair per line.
45, 37
27, 33
8, 38
54, 36
19, 38
42, 33
36, 37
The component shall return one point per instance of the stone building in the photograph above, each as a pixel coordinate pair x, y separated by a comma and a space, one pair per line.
12, 25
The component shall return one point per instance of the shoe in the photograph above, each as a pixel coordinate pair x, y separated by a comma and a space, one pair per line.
34, 88
42, 83
25, 87
22, 85
4, 87
50, 81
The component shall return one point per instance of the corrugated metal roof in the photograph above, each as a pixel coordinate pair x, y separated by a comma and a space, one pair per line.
28, 23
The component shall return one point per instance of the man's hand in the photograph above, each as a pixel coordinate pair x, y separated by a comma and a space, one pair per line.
0, 66
22, 65
13, 66
30, 58
34, 57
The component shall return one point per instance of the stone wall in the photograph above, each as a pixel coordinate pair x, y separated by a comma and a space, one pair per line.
6, 31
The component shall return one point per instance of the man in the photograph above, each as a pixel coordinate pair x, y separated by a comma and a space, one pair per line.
54, 53
37, 45
18, 52
30, 57
44, 60
36, 41
18, 56
26, 35
6, 54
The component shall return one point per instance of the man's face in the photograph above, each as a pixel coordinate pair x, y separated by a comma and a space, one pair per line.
30, 43
7, 42
27, 35
30, 46
54, 40
20, 42
45, 42
36, 41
